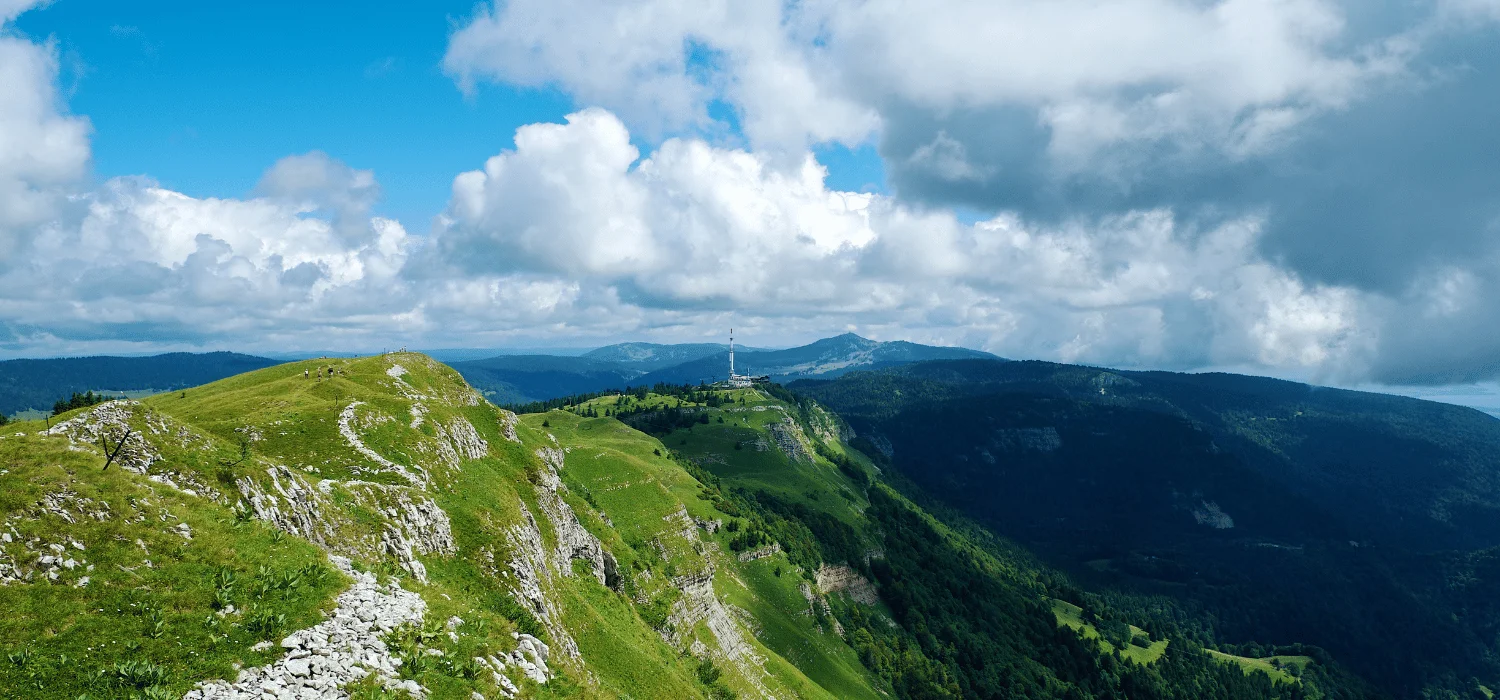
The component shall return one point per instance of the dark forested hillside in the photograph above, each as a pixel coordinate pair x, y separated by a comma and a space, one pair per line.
960, 614
38, 384
1361, 523
1396, 469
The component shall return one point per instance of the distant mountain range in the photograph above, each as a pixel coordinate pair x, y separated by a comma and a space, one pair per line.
648, 357
823, 359
37, 384
504, 377
515, 379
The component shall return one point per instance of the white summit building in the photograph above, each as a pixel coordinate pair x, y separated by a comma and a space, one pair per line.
739, 381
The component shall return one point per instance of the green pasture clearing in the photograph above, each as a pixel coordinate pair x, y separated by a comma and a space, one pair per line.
1072, 616
1273, 666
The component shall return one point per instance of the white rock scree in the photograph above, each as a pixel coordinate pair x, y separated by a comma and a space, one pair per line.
347, 647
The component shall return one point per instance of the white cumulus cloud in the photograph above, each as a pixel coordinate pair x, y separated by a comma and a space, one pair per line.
43, 150
693, 231
1227, 75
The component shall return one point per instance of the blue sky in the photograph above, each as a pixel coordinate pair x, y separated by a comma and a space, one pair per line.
204, 97
1303, 188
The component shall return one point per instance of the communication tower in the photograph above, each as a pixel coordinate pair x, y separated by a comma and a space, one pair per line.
735, 380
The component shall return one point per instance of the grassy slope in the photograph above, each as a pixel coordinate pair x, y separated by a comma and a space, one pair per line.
1072, 616
611, 469
298, 419
1272, 666
757, 464
145, 617
620, 471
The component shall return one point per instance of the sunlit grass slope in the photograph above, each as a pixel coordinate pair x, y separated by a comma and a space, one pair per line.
210, 533
1279, 668
650, 500
118, 585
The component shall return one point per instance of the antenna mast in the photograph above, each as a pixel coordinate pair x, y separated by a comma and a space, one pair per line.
731, 353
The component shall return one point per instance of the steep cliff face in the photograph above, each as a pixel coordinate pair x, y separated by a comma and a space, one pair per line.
573, 540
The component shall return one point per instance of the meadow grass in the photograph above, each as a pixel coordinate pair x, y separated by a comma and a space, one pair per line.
148, 616
1071, 616
1273, 666
631, 478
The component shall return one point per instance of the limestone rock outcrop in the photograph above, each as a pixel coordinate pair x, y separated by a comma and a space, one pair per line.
414, 523
789, 438
107, 424
573, 540
530, 571
842, 578
529, 657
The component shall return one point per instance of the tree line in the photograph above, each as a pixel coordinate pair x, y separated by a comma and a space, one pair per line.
84, 400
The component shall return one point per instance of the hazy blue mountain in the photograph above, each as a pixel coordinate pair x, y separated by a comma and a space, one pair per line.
830, 357
37, 384
514, 379
648, 357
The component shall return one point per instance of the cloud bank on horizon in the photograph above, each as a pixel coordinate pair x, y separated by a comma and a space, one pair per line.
1301, 186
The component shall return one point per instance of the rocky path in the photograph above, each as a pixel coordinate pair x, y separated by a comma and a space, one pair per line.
347, 647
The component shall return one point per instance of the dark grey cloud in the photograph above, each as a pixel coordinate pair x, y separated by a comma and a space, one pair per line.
1376, 194
1371, 195
1395, 195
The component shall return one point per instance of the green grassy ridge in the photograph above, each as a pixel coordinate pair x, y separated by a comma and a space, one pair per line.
297, 417
214, 417
623, 486
280, 397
